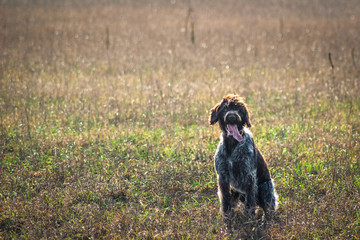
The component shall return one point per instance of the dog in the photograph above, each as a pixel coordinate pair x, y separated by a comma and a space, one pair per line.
242, 173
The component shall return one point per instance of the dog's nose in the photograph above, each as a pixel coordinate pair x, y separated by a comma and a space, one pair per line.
231, 118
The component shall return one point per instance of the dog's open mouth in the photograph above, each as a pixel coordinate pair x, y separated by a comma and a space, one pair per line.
232, 130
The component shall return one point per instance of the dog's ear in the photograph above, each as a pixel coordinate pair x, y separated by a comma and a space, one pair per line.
247, 121
247, 117
213, 115
214, 112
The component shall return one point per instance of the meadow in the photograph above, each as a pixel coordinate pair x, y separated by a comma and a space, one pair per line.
104, 110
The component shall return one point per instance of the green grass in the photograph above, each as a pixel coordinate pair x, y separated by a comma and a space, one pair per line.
98, 144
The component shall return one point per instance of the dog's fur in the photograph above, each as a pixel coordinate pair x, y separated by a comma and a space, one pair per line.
242, 172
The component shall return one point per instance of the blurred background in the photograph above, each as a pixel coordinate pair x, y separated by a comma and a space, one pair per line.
104, 115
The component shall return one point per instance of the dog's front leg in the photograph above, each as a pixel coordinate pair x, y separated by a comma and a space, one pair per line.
225, 199
250, 199
224, 194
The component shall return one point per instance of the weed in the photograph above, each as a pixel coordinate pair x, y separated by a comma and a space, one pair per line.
113, 142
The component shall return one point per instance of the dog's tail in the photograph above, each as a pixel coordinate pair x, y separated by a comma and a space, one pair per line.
275, 195
268, 196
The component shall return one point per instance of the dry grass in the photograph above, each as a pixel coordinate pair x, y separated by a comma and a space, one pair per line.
104, 110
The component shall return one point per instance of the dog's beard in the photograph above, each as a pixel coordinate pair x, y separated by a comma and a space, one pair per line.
233, 131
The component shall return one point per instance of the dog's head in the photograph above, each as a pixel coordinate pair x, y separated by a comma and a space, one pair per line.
232, 115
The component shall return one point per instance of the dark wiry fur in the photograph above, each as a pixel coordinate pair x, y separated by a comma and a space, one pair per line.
241, 169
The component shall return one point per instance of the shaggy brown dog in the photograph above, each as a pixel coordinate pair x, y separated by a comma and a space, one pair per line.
241, 170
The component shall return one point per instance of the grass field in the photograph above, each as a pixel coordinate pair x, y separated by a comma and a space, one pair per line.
104, 116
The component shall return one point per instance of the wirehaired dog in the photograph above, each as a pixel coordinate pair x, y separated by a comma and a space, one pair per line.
242, 173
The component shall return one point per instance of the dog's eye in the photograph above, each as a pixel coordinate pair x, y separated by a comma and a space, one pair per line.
226, 109
223, 108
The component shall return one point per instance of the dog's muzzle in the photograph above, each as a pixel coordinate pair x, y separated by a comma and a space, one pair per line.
232, 117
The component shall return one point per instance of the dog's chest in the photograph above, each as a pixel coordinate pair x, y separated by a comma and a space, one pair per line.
240, 164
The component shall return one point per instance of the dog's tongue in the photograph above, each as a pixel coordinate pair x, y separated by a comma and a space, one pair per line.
233, 131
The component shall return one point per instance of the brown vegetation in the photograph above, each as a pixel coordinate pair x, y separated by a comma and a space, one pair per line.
104, 107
